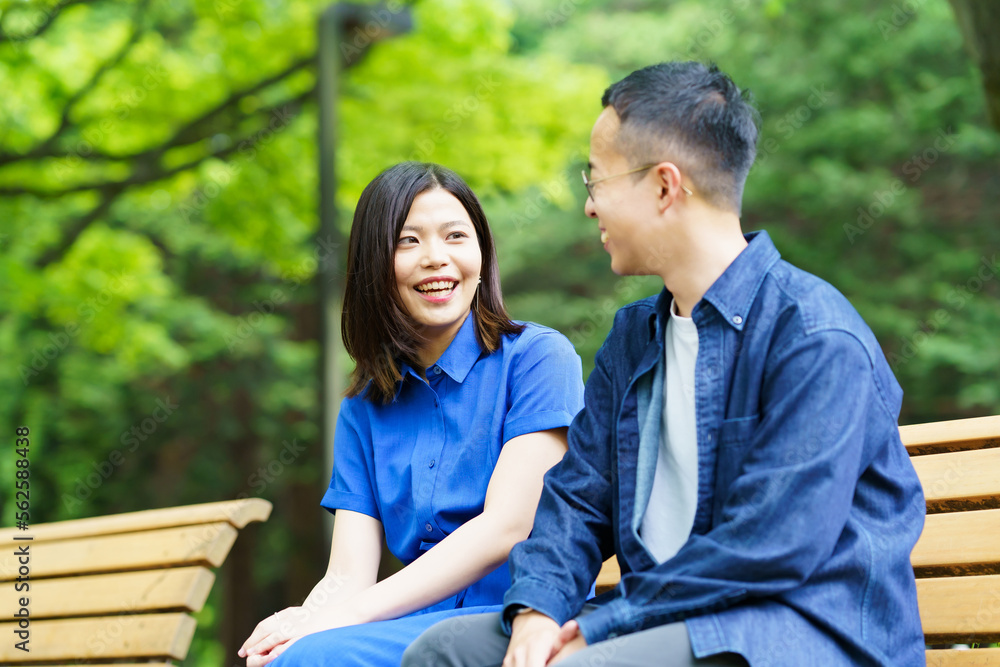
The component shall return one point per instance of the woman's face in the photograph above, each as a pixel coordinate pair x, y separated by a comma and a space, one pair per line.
438, 263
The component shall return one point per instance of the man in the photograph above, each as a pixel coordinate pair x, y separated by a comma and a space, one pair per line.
739, 449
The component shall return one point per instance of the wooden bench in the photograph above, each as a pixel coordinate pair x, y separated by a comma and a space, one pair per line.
957, 559
119, 587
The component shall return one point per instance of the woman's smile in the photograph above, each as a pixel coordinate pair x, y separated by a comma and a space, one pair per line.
436, 289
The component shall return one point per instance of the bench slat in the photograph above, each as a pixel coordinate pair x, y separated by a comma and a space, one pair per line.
158, 636
958, 543
609, 576
960, 481
184, 588
951, 436
960, 609
237, 513
950, 544
169, 547
980, 657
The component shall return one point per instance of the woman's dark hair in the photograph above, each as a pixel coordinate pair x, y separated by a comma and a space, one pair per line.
378, 333
691, 113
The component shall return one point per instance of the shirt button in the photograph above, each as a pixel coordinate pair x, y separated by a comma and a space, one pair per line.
737, 319
428, 527
431, 464
437, 370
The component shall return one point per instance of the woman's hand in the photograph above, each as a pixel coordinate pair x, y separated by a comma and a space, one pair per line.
354, 559
276, 633
261, 647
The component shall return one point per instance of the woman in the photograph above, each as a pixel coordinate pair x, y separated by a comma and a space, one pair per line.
453, 415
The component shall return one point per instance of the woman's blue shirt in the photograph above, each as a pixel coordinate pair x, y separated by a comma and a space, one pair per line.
421, 464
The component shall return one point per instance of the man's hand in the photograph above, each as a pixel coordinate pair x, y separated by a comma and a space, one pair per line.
534, 638
571, 641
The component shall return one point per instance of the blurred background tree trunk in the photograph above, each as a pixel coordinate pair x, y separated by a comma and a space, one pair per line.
979, 21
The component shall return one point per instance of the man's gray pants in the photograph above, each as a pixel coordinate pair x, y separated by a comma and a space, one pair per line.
477, 640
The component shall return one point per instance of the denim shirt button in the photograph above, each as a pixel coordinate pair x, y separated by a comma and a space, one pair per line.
737, 319
437, 369
428, 527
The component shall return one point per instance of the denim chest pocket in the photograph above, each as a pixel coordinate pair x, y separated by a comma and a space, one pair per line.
737, 432
735, 436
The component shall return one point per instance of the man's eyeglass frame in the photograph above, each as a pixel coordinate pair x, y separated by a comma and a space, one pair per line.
589, 184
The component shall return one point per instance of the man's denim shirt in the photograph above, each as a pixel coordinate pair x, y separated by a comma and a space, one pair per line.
808, 505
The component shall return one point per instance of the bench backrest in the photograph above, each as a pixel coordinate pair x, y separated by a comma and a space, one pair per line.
116, 587
957, 559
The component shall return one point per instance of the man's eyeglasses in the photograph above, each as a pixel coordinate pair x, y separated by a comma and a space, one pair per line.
589, 184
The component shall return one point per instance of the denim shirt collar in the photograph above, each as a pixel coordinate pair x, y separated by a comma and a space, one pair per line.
461, 355
734, 291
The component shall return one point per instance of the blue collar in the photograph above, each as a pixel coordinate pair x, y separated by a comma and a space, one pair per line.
461, 355
734, 291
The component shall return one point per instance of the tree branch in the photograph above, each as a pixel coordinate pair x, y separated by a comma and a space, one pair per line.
50, 17
57, 252
45, 147
111, 190
188, 133
191, 132
146, 171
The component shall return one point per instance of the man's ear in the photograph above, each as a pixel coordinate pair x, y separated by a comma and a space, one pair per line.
669, 180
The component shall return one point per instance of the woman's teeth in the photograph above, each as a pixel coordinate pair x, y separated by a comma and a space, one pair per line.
604, 237
436, 286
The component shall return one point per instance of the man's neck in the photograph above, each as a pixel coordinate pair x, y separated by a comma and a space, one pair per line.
710, 247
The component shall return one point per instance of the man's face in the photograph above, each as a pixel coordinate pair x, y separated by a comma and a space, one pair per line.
624, 206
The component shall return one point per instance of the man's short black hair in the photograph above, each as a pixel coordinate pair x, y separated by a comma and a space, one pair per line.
691, 114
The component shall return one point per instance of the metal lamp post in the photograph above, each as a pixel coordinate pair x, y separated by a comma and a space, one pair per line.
346, 32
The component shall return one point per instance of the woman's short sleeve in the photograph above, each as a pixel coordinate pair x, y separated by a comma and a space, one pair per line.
353, 484
546, 387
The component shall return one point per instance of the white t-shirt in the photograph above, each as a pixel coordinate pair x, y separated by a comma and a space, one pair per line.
673, 499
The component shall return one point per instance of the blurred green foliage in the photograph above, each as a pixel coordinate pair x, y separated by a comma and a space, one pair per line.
158, 209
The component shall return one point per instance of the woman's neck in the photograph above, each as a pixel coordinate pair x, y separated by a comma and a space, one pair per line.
428, 355
436, 342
